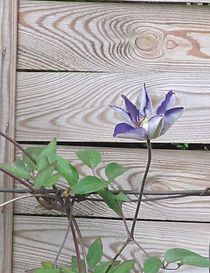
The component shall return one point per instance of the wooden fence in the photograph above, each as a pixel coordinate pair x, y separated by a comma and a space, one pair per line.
73, 60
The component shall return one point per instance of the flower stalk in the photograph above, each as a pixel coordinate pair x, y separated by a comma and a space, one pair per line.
149, 150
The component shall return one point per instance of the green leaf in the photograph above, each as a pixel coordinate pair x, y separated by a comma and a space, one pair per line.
121, 197
34, 152
74, 265
95, 253
177, 254
52, 180
196, 260
49, 151
20, 164
66, 270
46, 270
47, 264
89, 184
16, 171
152, 265
42, 163
114, 170
90, 157
109, 199
102, 267
124, 267
43, 176
67, 170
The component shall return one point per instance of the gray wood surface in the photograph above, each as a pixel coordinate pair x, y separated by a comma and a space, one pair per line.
113, 37
115, 47
8, 36
75, 106
37, 238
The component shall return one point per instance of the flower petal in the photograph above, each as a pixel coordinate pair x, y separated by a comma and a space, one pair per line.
124, 130
146, 108
131, 109
167, 103
125, 115
155, 125
170, 117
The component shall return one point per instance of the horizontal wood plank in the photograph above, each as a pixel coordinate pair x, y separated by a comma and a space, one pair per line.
74, 107
113, 37
170, 170
37, 238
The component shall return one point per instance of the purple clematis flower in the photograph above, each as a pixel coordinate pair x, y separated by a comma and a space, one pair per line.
145, 122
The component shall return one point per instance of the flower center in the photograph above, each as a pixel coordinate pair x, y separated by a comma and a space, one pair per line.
143, 122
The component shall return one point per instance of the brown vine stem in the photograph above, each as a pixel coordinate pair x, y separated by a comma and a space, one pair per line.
76, 245
164, 195
205, 191
17, 145
133, 239
149, 150
66, 234
181, 194
81, 243
23, 182
118, 254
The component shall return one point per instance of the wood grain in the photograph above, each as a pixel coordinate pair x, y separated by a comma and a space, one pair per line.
75, 106
113, 37
37, 238
170, 170
8, 43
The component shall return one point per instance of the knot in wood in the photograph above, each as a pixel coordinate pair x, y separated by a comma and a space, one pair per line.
147, 41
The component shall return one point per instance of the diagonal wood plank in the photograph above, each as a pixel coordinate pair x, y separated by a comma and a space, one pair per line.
170, 170
8, 38
37, 238
113, 37
75, 106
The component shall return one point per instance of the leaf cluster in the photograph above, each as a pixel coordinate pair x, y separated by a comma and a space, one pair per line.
179, 256
94, 261
43, 168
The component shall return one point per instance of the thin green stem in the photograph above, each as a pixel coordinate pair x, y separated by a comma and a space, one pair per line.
149, 149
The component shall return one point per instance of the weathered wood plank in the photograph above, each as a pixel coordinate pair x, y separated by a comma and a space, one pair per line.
37, 238
8, 37
170, 170
73, 106
113, 37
